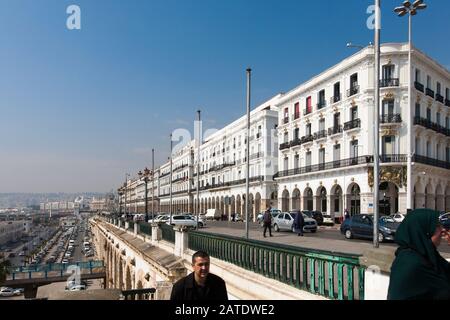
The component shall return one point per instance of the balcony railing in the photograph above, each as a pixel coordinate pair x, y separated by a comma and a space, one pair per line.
296, 115
326, 166
431, 125
286, 120
431, 161
391, 118
307, 111
353, 90
389, 158
321, 104
320, 134
429, 92
284, 146
335, 130
256, 155
393, 82
439, 98
419, 86
447, 102
307, 138
296, 142
335, 98
352, 124
231, 183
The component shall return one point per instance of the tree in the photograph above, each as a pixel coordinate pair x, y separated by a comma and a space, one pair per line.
4, 270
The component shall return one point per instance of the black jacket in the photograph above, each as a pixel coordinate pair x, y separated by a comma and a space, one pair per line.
184, 289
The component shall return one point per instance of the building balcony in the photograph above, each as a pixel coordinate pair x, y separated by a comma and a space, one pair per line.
321, 104
285, 120
353, 90
352, 124
439, 98
335, 130
420, 87
393, 82
307, 111
320, 134
335, 99
307, 138
391, 118
431, 125
393, 158
429, 93
256, 155
447, 102
231, 183
431, 161
285, 145
296, 142
296, 116
325, 166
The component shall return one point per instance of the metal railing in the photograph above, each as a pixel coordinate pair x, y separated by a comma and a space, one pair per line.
139, 294
392, 82
352, 124
167, 232
296, 142
431, 161
321, 104
447, 102
325, 166
131, 225
389, 158
420, 87
329, 274
307, 111
335, 130
335, 98
320, 134
391, 118
429, 92
145, 228
284, 145
285, 120
307, 138
353, 90
431, 125
439, 98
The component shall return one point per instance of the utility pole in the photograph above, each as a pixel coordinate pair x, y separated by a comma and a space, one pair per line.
247, 182
198, 166
170, 180
153, 185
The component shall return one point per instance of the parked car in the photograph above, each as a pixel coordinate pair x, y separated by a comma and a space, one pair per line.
273, 212
445, 220
185, 220
327, 219
285, 222
398, 217
361, 226
18, 292
162, 218
316, 215
6, 292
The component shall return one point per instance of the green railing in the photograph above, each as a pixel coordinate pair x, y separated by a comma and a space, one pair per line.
167, 232
145, 228
329, 274
131, 225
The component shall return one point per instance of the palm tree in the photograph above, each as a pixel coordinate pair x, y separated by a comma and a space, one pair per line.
4, 270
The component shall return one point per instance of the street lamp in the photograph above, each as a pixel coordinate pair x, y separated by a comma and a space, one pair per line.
411, 10
145, 175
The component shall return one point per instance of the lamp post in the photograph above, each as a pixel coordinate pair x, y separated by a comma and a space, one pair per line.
411, 10
170, 205
198, 167
247, 182
145, 176
153, 185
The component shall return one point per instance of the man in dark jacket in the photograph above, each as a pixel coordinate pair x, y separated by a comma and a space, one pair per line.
200, 284
267, 219
299, 222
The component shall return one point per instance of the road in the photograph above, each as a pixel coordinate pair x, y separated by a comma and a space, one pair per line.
326, 238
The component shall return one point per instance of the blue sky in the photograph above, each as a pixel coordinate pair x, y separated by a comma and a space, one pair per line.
79, 108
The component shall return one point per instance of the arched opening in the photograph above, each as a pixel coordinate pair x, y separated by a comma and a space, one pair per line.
308, 199
232, 206
251, 207
419, 196
296, 199
257, 203
285, 201
336, 205
388, 198
440, 198
429, 197
128, 285
321, 200
238, 204
354, 199
273, 200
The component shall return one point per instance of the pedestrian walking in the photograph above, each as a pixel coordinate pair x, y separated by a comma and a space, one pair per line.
200, 284
299, 222
233, 217
419, 271
267, 218
347, 214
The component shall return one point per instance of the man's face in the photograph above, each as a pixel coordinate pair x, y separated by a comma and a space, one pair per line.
201, 267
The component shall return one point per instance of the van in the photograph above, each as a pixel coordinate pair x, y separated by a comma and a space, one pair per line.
213, 214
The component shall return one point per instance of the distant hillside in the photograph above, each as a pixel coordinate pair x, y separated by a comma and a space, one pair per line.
14, 200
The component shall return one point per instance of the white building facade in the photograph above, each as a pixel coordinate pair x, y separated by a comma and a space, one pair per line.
326, 136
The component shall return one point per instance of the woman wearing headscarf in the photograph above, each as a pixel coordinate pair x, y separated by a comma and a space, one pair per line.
419, 271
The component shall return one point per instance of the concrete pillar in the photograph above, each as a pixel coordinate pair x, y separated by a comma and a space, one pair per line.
127, 224
156, 233
136, 229
163, 290
402, 202
181, 241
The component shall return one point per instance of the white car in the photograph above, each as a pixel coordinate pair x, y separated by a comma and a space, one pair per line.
327, 219
162, 218
398, 217
6, 292
285, 221
185, 220
18, 292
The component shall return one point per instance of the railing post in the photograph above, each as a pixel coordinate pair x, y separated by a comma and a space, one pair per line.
156, 233
181, 241
136, 229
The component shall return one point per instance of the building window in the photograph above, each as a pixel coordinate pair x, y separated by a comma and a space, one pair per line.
296, 161
447, 154
428, 82
321, 155
447, 123
308, 105
308, 129
354, 113
354, 149
296, 133
388, 147
286, 163
297, 110
417, 110
418, 75
337, 120
417, 146
388, 72
447, 93
337, 152
428, 149
308, 159
286, 115
286, 137
354, 80
438, 151
321, 99
438, 118
337, 92
438, 88
428, 114
388, 107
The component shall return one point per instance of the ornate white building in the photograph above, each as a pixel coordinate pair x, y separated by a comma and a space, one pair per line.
326, 136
